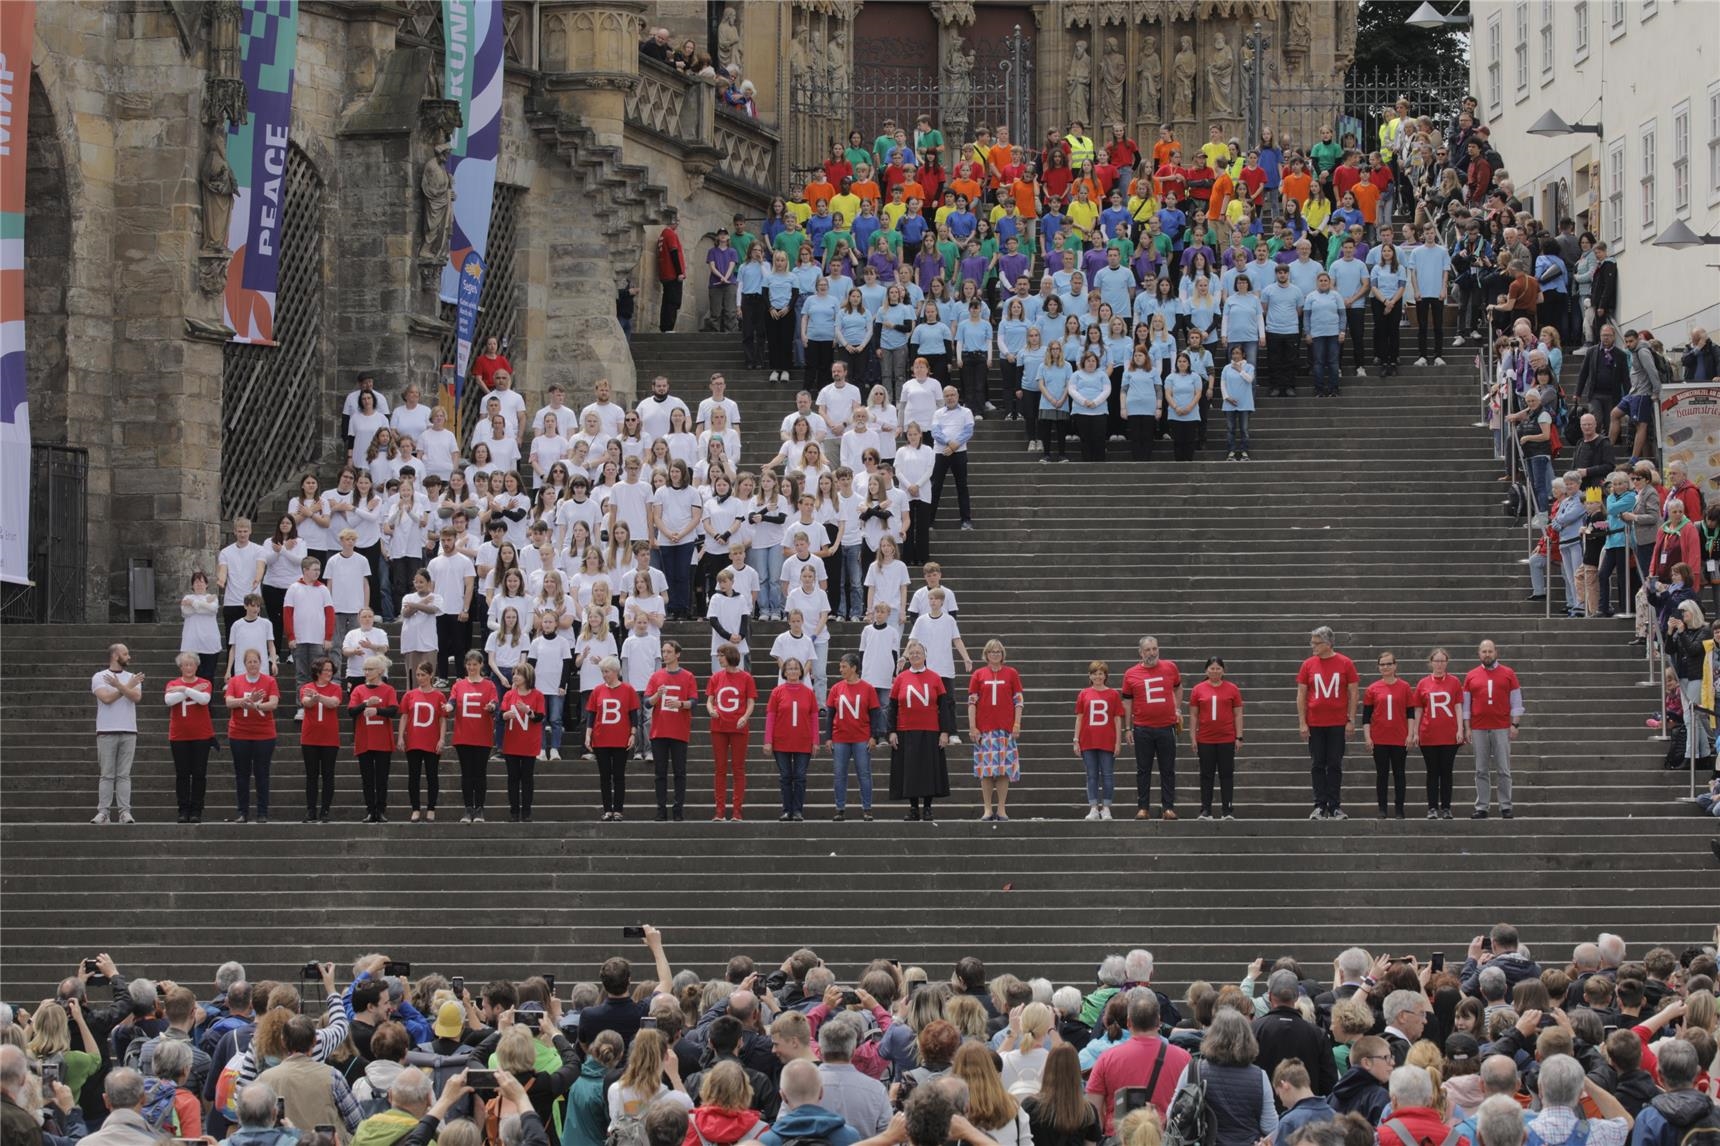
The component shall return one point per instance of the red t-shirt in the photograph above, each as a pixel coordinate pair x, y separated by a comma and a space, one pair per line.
611, 708
1389, 720
1489, 694
1344, 177
672, 715
1153, 693
1328, 680
793, 717
1216, 706
187, 721
992, 692
521, 735
485, 366
851, 705
371, 730
729, 692
467, 700
916, 695
321, 726
245, 724
421, 720
1254, 178
1438, 705
1098, 710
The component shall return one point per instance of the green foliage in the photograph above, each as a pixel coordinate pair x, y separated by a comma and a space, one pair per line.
1384, 41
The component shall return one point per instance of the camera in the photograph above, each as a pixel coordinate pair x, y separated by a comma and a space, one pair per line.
850, 999
310, 971
93, 970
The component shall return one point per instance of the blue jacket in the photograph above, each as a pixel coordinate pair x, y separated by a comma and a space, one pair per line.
1666, 1119
810, 1122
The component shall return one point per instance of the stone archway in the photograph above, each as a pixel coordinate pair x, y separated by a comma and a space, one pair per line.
47, 269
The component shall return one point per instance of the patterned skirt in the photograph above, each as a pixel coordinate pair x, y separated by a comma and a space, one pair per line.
996, 755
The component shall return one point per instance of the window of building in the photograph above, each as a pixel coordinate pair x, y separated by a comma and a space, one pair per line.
1495, 66
1580, 13
1520, 49
1615, 197
1681, 160
1645, 140
1714, 144
1615, 19
1546, 41
1647, 9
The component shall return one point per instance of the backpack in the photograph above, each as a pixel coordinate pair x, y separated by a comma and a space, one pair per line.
1579, 1136
158, 1111
1703, 1132
1516, 502
493, 1115
1190, 1121
628, 1130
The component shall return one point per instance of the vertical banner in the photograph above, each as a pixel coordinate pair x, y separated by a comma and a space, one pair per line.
17, 26
257, 153
466, 324
1690, 433
472, 31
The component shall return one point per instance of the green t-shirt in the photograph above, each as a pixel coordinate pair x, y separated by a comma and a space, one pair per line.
1124, 245
892, 239
951, 253
856, 156
1325, 156
834, 237
742, 243
881, 148
790, 242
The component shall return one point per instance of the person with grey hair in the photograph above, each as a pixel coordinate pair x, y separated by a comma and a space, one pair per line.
1498, 1075
1612, 952
1113, 972
256, 1106
1563, 1086
859, 1100
17, 1122
1499, 1122
803, 1117
1327, 689
1494, 988
1283, 1033
170, 1067
1238, 1093
1413, 1119
125, 1124
1669, 1116
1405, 1013
1349, 970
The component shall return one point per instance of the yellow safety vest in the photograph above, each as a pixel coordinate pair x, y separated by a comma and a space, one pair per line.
1080, 149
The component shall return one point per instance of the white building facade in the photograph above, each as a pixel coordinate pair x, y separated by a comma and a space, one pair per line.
1647, 72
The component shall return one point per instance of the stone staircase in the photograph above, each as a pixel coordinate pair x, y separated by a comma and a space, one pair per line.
1377, 513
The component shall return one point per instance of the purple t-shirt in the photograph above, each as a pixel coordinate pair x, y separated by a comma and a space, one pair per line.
722, 261
1012, 267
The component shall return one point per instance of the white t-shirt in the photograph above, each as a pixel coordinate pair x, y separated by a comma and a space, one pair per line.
346, 576
513, 408
887, 583
802, 648
591, 651
566, 421
746, 583
364, 427
675, 510
448, 578
791, 567
349, 407
839, 402
729, 407
879, 648
936, 633
244, 636
921, 602
729, 610
410, 420
504, 453
437, 451
310, 603
608, 413
640, 656
820, 429
362, 643
854, 447
507, 654
121, 714
655, 414
550, 655
241, 566
286, 563
814, 608
313, 534
418, 632
631, 501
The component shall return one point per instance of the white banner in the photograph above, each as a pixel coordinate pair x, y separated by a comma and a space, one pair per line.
1690, 433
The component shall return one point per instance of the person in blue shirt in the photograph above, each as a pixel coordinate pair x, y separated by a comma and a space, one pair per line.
1350, 280
1200, 362
931, 339
1143, 397
913, 227
1201, 307
1429, 268
854, 331
806, 275
1050, 224
1161, 345
1011, 341
1236, 387
779, 293
895, 320
1027, 395
1115, 215
1051, 319
1324, 310
1172, 222
1147, 303
819, 224
872, 291
1304, 271
1386, 285
818, 332
1053, 404
973, 357
1282, 303
865, 227
1555, 279
961, 221
753, 273
1089, 399
1243, 323
1115, 282
1183, 388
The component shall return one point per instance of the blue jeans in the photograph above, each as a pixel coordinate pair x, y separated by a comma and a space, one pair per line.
791, 780
767, 563
553, 708
1323, 352
1541, 482
1236, 430
853, 597
860, 756
676, 563
1101, 775
815, 672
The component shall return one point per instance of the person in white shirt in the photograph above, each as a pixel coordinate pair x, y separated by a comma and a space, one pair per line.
308, 620
837, 400
310, 513
654, 409
675, 512
238, 572
718, 401
921, 603
361, 642
418, 612
641, 655
365, 384
548, 448
918, 401
405, 517
859, 438
453, 576
952, 427
565, 416
914, 464
200, 632
746, 577
348, 576
369, 418
251, 632
438, 448
411, 418
793, 643
285, 553
630, 500
803, 410
727, 614
813, 605
117, 690
609, 415
504, 449
939, 633
721, 429
550, 652
510, 402
880, 652
887, 583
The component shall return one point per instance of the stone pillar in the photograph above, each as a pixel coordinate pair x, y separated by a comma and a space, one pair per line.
591, 54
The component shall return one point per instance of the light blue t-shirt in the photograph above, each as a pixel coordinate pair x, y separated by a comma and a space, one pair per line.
752, 277
1118, 348
872, 297
1325, 311
1054, 386
855, 327
1386, 280
1115, 284
1050, 328
1146, 306
1201, 313
1140, 393
1428, 264
1012, 335
1181, 390
779, 285
902, 315
1348, 275
1305, 276
1089, 384
974, 336
820, 315
1283, 303
1242, 313
952, 311
1239, 384
1032, 359
929, 337
1162, 352
806, 278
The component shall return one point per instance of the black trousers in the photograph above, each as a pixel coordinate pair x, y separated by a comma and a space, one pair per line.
474, 774
421, 766
973, 381
373, 770
1354, 324
754, 308
1389, 759
1326, 752
1283, 357
944, 465
669, 754
612, 777
1183, 435
319, 777
671, 307
1143, 428
1155, 744
521, 775
1053, 426
1386, 332
1090, 429
1217, 761
819, 356
779, 334
191, 774
917, 549
1441, 761
453, 638
1434, 309
1012, 400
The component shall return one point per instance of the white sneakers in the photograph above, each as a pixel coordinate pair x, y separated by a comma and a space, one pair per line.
1105, 812
1439, 362
1093, 814
1421, 362
542, 756
554, 754
1361, 373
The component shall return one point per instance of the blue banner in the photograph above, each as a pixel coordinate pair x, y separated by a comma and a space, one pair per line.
466, 320
472, 77
257, 154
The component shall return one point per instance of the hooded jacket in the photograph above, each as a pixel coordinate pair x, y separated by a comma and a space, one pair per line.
810, 1121
586, 1122
711, 1126
379, 1075
1361, 1093
1634, 1089
1665, 1120
383, 1129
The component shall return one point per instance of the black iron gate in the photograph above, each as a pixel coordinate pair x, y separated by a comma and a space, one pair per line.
59, 540
1296, 113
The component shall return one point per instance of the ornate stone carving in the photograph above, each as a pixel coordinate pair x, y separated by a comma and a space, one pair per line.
1346, 36
1149, 83
1078, 85
839, 61
212, 278
729, 42
516, 35
953, 13
1184, 68
1113, 77
439, 118
956, 88
1300, 33
224, 25
1112, 12
436, 190
554, 43
1221, 78
217, 185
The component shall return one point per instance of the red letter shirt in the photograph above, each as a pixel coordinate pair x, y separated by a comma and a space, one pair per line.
244, 723
1153, 692
521, 735
1489, 695
851, 707
611, 708
373, 728
321, 725
1216, 706
1437, 703
729, 692
672, 715
473, 727
1099, 710
793, 717
1389, 720
993, 692
916, 695
187, 721
1328, 680
421, 720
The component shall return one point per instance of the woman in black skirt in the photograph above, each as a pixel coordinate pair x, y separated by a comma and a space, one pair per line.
922, 718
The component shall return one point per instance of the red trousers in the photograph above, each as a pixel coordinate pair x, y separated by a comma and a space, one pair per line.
730, 751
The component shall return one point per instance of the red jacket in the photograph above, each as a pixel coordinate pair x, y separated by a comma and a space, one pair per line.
671, 259
1480, 180
1671, 548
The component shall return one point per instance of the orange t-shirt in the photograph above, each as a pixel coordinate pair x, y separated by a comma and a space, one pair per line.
1002, 155
1026, 196
966, 188
1367, 199
819, 190
867, 190
1297, 187
1223, 190
1162, 151
912, 190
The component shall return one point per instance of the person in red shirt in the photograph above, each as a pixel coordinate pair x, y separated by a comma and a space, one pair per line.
1170, 175
374, 705
1385, 724
1098, 730
1152, 701
1346, 175
852, 701
1326, 690
421, 736
672, 692
932, 178
484, 367
252, 697
994, 703
320, 701
522, 739
609, 710
793, 724
730, 699
473, 703
1492, 708
190, 736
1215, 711
1253, 179
671, 274
837, 168
1438, 730
921, 720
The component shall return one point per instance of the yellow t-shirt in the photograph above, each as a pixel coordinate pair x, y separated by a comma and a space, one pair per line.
802, 211
1083, 215
893, 213
1219, 152
1316, 214
849, 205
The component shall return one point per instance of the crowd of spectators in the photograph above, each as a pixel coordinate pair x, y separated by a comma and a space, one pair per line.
1500, 1050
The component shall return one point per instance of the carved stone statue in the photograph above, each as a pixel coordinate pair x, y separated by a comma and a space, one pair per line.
218, 187
1301, 30
1183, 71
437, 188
729, 43
958, 74
1346, 50
1113, 75
839, 62
1151, 80
1079, 86
1221, 79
